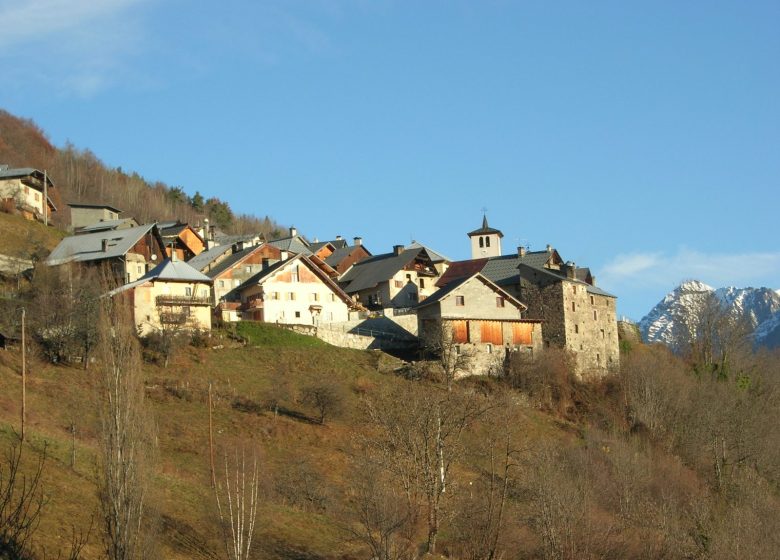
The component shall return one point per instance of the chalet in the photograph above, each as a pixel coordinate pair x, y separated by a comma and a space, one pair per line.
130, 253
298, 290
26, 190
173, 295
182, 239
235, 269
398, 279
576, 314
83, 214
481, 318
339, 254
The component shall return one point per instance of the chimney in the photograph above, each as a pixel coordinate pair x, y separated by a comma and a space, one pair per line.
104, 245
398, 249
358, 240
549, 248
570, 267
521, 251
293, 231
283, 255
338, 238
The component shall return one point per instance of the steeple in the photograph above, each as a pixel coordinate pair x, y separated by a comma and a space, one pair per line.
485, 241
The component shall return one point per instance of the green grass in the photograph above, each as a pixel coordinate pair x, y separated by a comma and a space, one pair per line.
22, 238
263, 334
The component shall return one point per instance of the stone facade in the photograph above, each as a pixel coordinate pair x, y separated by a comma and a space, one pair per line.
163, 304
256, 260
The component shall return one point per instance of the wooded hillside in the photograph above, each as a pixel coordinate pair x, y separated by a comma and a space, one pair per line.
80, 176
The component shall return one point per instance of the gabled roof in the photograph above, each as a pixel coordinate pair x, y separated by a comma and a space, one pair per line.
310, 262
500, 270
106, 225
371, 271
89, 246
561, 277
166, 271
85, 205
435, 256
232, 260
485, 229
442, 293
295, 244
7, 172
205, 258
342, 253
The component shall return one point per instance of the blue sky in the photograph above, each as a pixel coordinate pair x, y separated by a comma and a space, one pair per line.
640, 139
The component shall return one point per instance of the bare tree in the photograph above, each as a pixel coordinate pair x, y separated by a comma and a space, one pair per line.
21, 502
125, 441
325, 398
439, 341
237, 501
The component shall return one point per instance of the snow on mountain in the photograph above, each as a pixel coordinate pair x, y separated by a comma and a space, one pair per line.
760, 306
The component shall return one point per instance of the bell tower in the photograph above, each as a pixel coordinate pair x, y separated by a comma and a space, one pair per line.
485, 241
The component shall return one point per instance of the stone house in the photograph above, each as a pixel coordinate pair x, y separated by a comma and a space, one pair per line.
576, 314
399, 279
83, 215
482, 319
129, 253
26, 190
171, 296
297, 291
339, 254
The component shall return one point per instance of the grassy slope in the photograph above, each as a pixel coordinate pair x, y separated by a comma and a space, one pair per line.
22, 238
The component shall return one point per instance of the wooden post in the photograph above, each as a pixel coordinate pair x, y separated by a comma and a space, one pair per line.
45, 200
24, 379
73, 445
211, 443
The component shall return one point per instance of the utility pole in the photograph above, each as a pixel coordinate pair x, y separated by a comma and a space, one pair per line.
211, 443
24, 378
45, 199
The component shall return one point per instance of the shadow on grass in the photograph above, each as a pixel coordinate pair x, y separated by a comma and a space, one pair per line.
252, 407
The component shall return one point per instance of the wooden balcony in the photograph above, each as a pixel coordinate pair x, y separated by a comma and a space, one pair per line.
183, 301
174, 318
252, 304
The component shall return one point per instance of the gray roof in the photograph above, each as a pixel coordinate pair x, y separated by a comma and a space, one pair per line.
106, 225
86, 205
339, 255
441, 293
295, 244
205, 258
89, 246
232, 239
9, 172
560, 276
485, 229
379, 268
435, 255
230, 260
175, 271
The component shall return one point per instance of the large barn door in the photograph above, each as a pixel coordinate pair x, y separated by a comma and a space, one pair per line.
490, 332
460, 331
522, 333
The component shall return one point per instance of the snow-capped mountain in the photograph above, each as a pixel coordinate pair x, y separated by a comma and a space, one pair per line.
759, 306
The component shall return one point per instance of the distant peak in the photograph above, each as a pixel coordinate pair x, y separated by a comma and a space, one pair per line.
695, 286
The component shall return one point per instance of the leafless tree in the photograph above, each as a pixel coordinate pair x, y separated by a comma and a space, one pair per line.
125, 438
21, 502
237, 502
325, 397
439, 341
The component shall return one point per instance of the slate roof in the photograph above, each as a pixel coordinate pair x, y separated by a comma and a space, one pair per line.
501, 270
175, 271
89, 246
435, 256
205, 258
560, 276
485, 229
230, 260
85, 205
379, 268
7, 172
441, 293
295, 244
105, 225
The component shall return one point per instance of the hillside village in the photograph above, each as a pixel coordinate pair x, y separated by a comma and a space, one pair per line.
191, 276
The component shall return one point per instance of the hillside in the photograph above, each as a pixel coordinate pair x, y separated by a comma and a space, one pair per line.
609, 483
80, 176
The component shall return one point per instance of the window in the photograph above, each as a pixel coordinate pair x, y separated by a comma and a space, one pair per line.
248, 269
295, 273
500, 301
457, 349
595, 314
291, 296
602, 333
315, 296
573, 306
577, 329
140, 269
330, 315
598, 359
332, 297
422, 282
188, 291
481, 242
575, 289
37, 197
460, 301
408, 277
489, 348
275, 295
399, 284
221, 283
592, 300
236, 282
487, 242
297, 314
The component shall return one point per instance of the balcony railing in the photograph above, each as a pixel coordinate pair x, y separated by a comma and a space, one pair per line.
174, 318
252, 304
183, 301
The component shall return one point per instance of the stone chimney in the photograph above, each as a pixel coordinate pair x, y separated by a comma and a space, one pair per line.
293, 231
549, 248
570, 268
521, 251
358, 240
338, 238
104, 245
398, 249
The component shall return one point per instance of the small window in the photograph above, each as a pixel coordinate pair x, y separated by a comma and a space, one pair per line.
248, 269
592, 300
315, 296
399, 284
412, 296
602, 333
577, 329
457, 349
221, 283
595, 315
575, 289
291, 296
297, 314
236, 282
422, 282
489, 348
598, 359
37, 197
460, 301
275, 295
574, 306
487, 242
481, 242
500, 301
332, 297
188, 291
330, 315
295, 274
140, 269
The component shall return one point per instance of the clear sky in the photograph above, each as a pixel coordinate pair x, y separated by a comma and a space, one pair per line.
641, 139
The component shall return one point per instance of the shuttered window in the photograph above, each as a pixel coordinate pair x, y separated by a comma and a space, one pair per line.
490, 332
522, 333
460, 331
